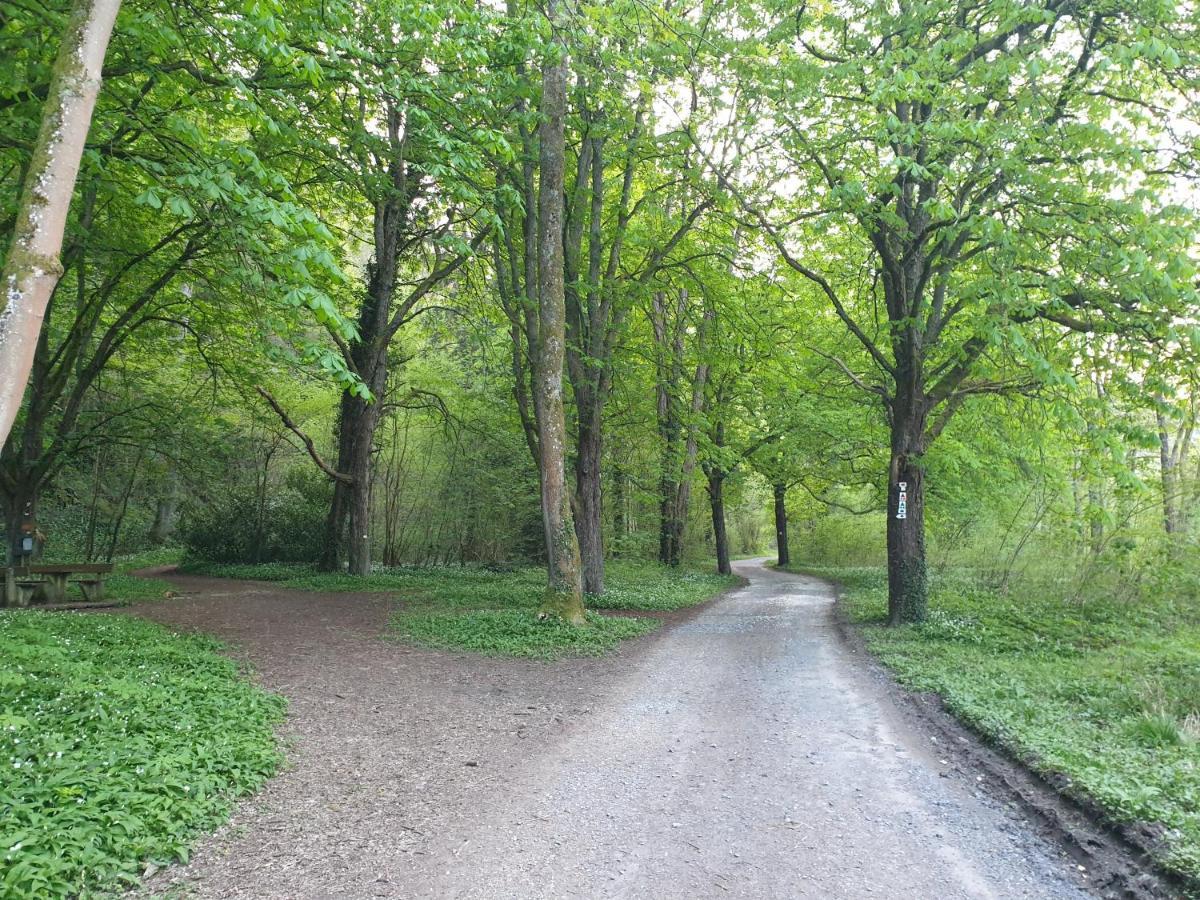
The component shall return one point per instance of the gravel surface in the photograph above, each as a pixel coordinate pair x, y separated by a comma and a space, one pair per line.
742, 751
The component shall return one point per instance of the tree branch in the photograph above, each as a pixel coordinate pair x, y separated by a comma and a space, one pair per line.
308, 442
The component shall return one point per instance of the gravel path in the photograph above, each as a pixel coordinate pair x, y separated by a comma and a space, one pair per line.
743, 751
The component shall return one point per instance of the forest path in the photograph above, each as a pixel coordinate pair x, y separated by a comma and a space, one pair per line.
741, 752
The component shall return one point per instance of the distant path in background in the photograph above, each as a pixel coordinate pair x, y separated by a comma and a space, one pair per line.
742, 751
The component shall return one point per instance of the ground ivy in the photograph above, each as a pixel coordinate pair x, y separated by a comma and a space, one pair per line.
119, 742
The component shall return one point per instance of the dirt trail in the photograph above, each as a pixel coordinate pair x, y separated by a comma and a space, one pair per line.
741, 752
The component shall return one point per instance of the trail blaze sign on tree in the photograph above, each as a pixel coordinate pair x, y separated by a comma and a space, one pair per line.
902, 500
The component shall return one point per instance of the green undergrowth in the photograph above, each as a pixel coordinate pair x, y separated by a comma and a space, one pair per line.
491, 610
120, 742
123, 585
1104, 691
516, 632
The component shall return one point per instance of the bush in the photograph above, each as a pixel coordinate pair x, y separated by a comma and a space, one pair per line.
288, 525
842, 540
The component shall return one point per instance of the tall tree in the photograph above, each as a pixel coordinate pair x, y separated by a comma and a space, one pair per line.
1002, 175
598, 304
626, 168
680, 397
180, 238
564, 592
32, 266
393, 131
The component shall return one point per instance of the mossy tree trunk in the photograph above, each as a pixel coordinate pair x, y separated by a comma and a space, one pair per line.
33, 267
564, 591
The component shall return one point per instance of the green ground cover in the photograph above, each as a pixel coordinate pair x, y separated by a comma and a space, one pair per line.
119, 743
122, 585
1104, 691
493, 611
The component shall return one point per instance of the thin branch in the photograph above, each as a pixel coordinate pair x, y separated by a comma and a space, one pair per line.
308, 442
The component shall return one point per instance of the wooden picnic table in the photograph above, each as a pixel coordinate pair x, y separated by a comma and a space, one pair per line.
22, 581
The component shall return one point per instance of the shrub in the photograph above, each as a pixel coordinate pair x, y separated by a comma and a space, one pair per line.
288, 525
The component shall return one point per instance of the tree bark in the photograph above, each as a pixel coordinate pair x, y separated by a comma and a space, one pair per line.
33, 267
564, 591
589, 522
339, 504
358, 555
781, 524
908, 588
1170, 455
24, 469
716, 497
588, 354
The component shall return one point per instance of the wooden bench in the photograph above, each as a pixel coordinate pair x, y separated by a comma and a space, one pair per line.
22, 583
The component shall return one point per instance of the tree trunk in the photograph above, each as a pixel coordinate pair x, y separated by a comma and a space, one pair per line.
339, 503
781, 524
335, 527
589, 522
716, 497
32, 267
908, 588
1167, 471
359, 543
564, 591
119, 519
89, 553
21, 518
675, 483
1095, 518
666, 494
262, 484
619, 511
165, 510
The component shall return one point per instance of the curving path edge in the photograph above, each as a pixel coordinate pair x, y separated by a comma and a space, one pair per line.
743, 751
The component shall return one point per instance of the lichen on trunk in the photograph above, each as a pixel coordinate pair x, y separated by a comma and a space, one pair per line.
32, 266
564, 592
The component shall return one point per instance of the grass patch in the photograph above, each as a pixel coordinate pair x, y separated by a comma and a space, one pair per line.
512, 632
489, 610
652, 587
1103, 691
119, 743
125, 587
